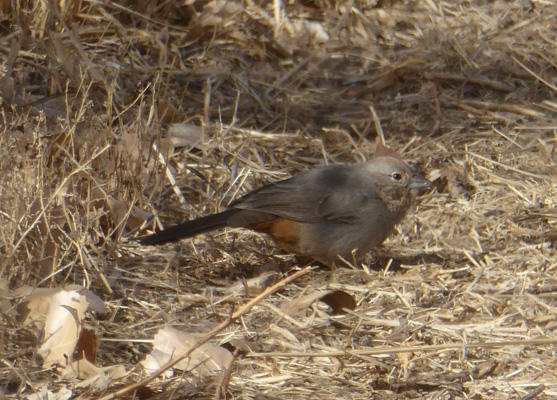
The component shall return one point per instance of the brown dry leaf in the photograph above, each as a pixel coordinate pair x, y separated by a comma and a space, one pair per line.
36, 305
130, 147
185, 135
168, 111
35, 308
125, 219
87, 346
95, 302
254, 285
98, 205
62, 327
339, 300
116, 214
81, 369
170, 343
60, 312
94, 377
239, 345
336, 299
133, 149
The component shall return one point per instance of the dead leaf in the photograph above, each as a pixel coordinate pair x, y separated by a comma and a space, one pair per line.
62, 327
170, 343
34, 309
133, 150
36, 304
339, 300
87, 346
95, 302
45, 394
238, 345
185, 135
254, 285
336, 299
93, 376
130, 147
125, 219
81, 369
59, 313
116, 216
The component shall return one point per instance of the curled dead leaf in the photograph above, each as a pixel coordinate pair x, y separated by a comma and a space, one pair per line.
170, 343
87, 346
59, 313
62, 327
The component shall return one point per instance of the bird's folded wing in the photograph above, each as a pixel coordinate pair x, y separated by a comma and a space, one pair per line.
328, 194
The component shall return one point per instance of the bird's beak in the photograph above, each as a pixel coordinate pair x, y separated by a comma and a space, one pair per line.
419, 182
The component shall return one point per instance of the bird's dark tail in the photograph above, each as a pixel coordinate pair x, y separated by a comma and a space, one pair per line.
189, 228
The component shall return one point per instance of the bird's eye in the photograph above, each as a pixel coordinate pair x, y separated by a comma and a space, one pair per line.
397, 176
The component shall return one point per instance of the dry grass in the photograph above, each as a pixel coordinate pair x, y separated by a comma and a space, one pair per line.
467, 89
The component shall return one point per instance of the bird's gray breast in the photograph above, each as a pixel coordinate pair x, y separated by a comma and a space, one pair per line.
369, 225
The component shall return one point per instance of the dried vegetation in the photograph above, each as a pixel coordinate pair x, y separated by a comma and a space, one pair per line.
460, 303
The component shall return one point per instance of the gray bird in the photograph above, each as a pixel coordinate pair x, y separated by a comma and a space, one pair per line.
321, 213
